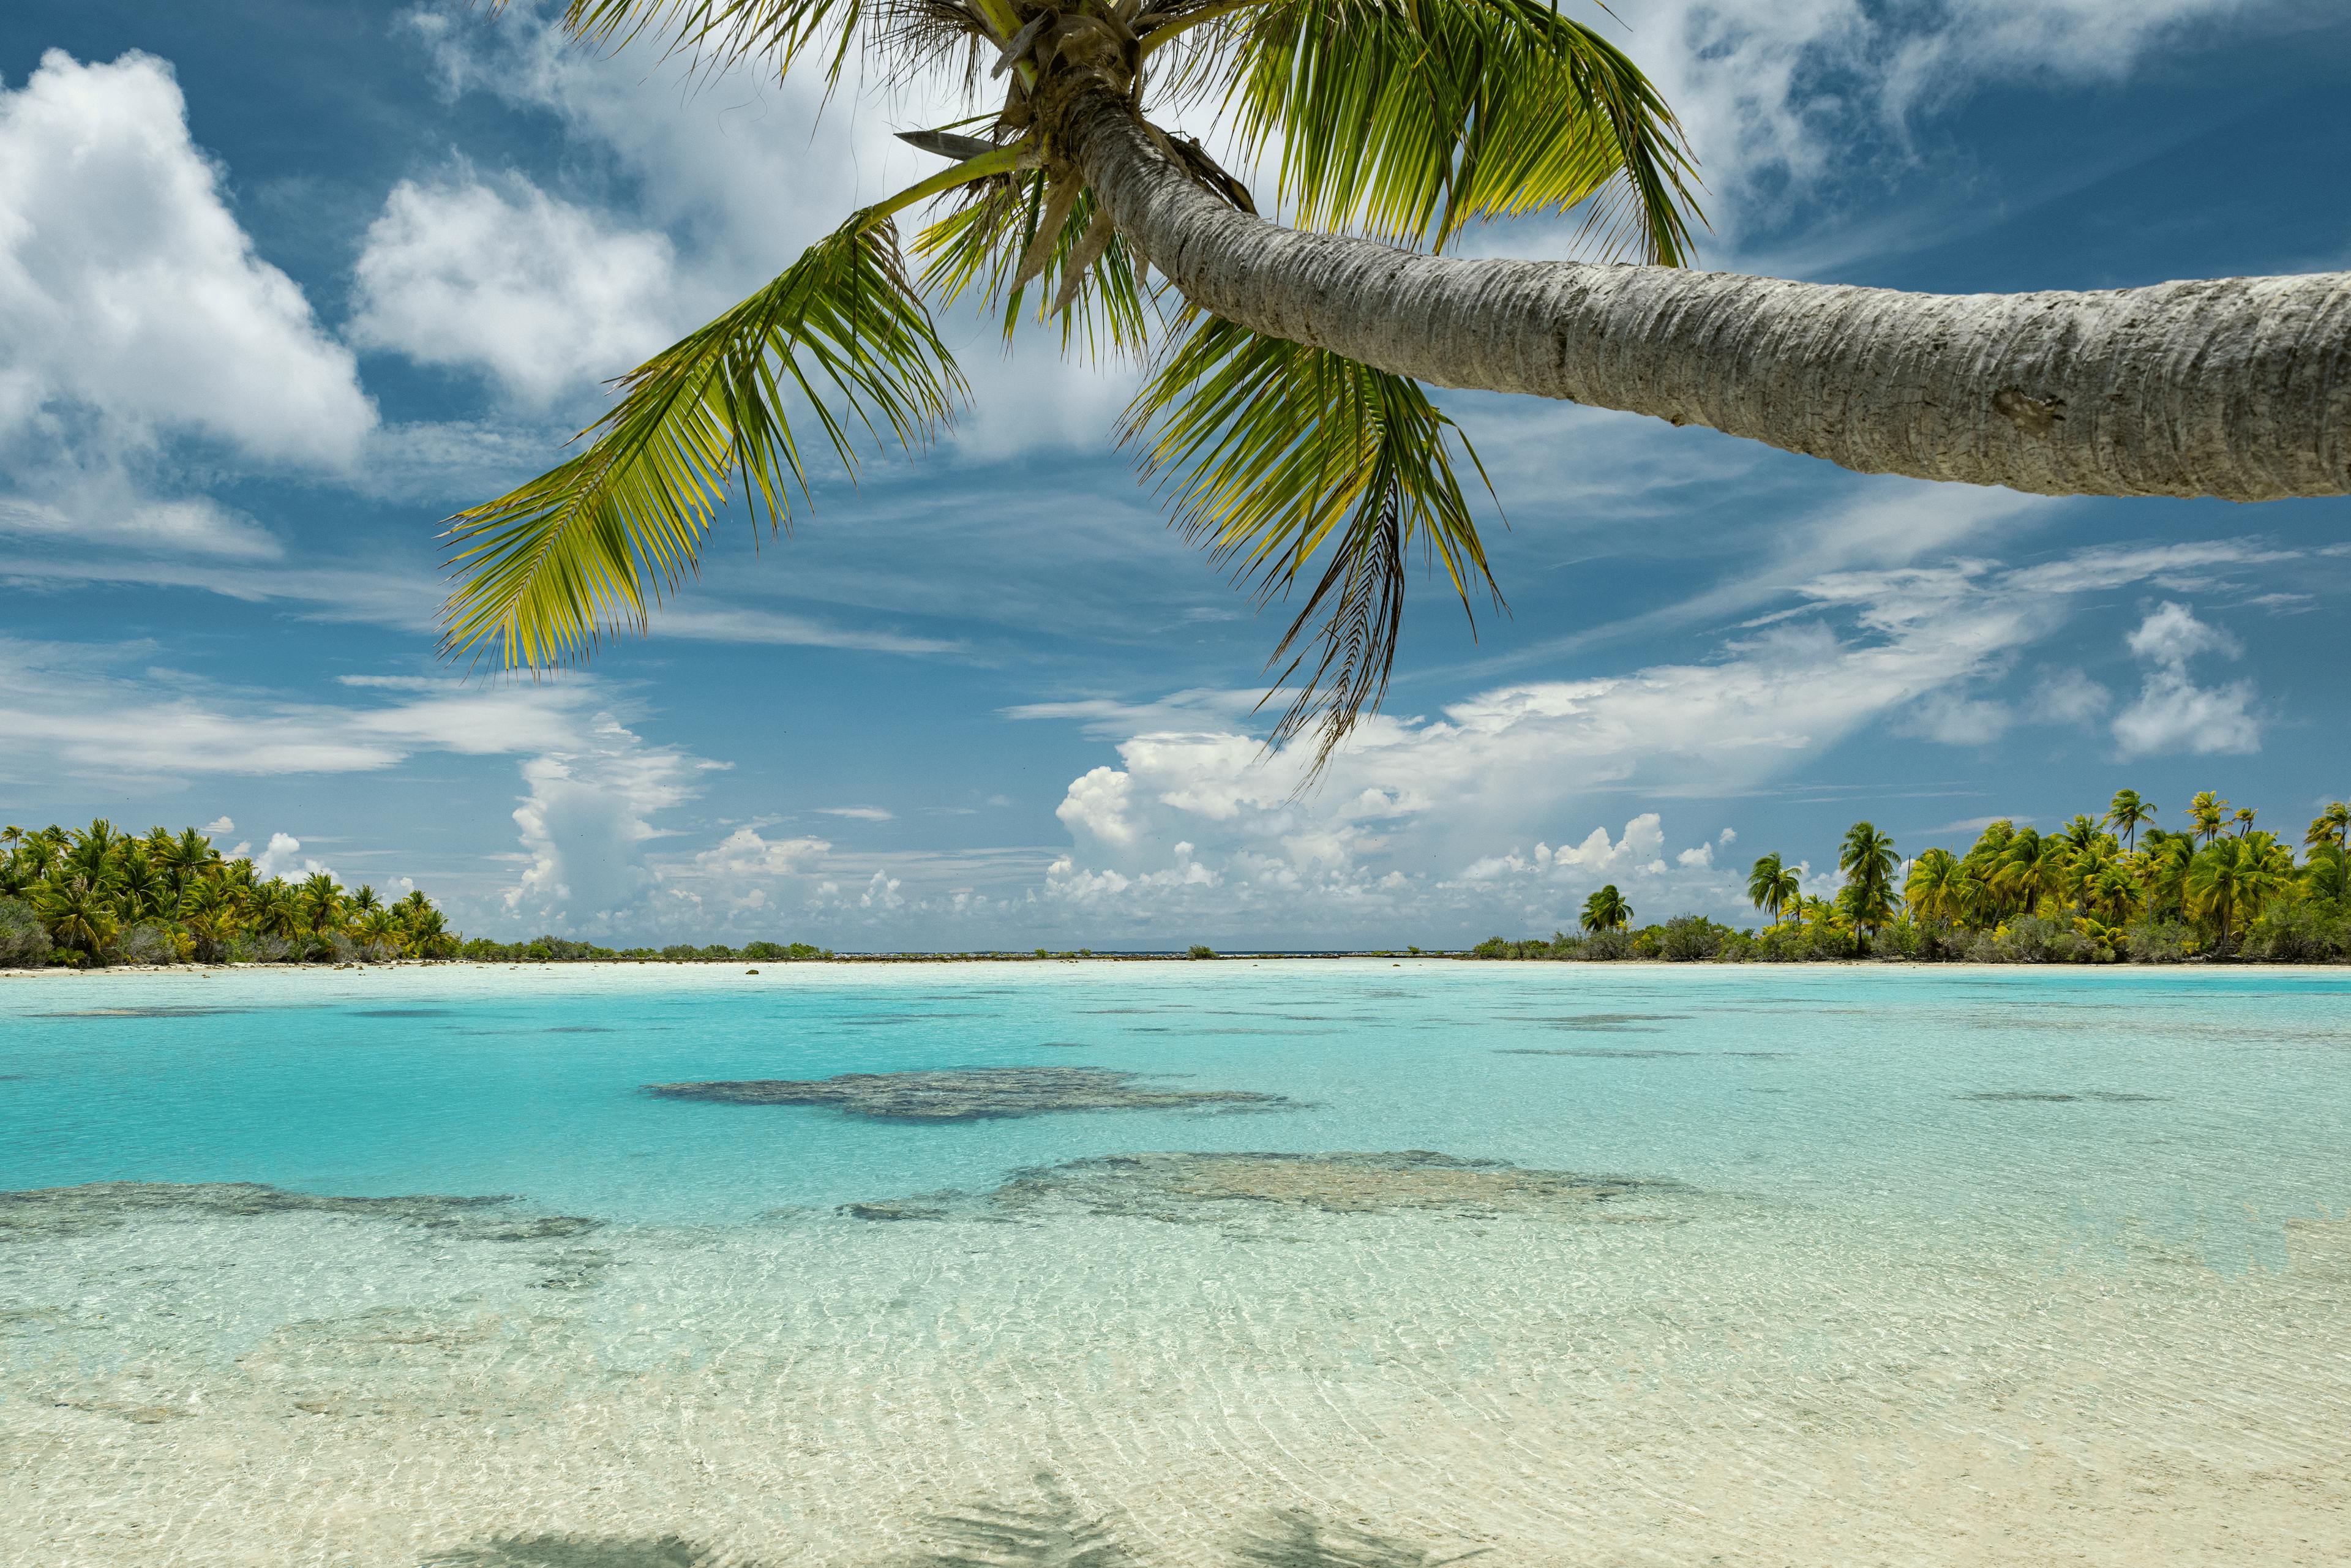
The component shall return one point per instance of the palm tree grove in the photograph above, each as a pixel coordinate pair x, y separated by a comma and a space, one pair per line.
98, 895
2101, 889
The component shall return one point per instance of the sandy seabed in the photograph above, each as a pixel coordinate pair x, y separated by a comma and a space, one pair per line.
1671, 1378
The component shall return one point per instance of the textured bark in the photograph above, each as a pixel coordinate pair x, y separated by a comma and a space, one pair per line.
2237, 387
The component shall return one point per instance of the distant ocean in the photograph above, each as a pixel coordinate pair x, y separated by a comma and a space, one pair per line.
1564, 1264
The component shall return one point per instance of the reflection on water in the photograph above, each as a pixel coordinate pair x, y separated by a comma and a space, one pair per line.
1992, 1297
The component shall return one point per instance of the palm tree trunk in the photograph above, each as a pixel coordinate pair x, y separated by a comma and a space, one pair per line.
2239, 388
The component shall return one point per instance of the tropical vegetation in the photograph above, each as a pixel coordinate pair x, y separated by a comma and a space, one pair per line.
2114, 886
1287, 418
98, 896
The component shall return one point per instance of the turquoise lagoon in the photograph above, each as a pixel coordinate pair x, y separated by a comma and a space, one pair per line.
1852, 1265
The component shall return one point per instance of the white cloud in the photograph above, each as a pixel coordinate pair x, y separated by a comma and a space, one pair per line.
2172, 714
1409, 799
743, 172
129, 294
2172, 635
105, 510
585, 821
1779, 95
1956, 720
217, 825
284, 857
2070, 697
859, 813
500, 277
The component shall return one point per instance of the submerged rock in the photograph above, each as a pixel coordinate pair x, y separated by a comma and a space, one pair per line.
974, 1094
99, 1206
2054, 1097
1624, 1053
1194, 1187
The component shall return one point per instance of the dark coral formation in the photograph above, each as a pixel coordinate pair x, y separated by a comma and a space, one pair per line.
972, 1093
99, 1206
1621, 1052
2053, 1097
1196, 1187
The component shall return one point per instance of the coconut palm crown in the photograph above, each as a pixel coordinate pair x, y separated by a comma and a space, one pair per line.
1297, 468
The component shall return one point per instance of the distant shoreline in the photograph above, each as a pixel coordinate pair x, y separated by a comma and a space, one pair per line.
846, 961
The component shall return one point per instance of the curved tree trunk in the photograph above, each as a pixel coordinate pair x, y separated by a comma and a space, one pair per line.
2238, 388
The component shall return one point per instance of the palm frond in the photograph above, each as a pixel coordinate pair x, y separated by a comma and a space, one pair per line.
1405, 119
980, 244
546, 570
1274, 450
906, 37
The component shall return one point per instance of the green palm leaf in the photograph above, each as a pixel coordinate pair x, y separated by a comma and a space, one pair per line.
722, 32
978, 247
546, 569
1274, 450
1407, 118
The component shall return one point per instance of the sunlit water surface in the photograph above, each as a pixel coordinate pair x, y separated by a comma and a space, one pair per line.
1842, 1266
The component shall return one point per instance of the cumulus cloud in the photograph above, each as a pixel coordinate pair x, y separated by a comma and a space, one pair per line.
129, 294
283, 857
1411, 810
585, 821
2070, 697
742, 172
497, 275
2172, 714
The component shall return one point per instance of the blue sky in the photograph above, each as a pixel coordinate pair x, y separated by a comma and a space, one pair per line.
282, 284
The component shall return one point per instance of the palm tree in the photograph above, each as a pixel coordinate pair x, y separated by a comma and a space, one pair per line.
1867, 860
11, 836
1933, 890
2111, 893
2245, 820
2205, 813
2231, 879
96, 853
365, 902
1293, 416
185, 856
274, 910
1772, 886
141, 890
2126, 814
2082, 836
78, 914
2332, 826
2326, 875
209, 911
2032, 869
320, 900
1606, 910
378, 927
2162, 869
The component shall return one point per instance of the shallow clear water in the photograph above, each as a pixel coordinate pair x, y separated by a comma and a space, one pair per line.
1893, 1266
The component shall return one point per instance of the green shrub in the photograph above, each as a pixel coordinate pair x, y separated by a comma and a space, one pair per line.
2153, 940
23, 940
2299, 933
